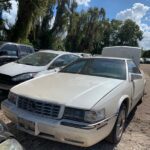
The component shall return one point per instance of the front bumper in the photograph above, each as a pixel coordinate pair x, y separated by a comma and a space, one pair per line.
65, 131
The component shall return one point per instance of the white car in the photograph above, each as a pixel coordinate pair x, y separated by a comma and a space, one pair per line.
28, 67
82, 104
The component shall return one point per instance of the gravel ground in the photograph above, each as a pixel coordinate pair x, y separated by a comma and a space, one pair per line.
136, 136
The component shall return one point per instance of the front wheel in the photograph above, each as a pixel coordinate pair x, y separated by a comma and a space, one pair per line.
119, 127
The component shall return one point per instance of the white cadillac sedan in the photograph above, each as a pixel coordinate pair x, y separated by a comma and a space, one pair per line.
83, 104
28, 67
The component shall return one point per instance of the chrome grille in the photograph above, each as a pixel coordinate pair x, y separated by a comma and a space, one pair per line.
42, 108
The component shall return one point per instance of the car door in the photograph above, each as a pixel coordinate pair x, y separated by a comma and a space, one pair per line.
137, 83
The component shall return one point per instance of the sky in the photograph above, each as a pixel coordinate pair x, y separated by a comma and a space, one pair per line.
137, 10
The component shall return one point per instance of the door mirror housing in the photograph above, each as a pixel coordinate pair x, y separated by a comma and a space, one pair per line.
134, 76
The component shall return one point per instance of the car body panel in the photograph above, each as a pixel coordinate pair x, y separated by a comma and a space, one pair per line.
18, 69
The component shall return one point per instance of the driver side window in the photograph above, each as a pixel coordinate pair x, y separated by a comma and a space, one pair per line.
132, 68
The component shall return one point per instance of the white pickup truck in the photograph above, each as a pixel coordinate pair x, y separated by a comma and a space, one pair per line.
84, 103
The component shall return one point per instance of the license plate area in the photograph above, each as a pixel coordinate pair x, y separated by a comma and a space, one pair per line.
26, 124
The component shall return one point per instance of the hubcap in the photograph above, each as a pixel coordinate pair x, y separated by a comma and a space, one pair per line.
120, 124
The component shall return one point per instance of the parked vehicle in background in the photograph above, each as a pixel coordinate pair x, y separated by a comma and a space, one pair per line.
7, 140
26, 68
147, 60
10, 52
133, 53
142, 60
46, 72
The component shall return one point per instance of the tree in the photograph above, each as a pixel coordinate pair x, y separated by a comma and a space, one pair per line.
130, 34
28, 11
4, 5
85, 33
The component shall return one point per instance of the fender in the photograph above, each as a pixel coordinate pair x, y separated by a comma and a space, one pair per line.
121, 101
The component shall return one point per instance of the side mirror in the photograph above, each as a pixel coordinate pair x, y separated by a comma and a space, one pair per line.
134, 76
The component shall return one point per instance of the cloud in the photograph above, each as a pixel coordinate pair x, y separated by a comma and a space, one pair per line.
138, 13
10, 17
83, 2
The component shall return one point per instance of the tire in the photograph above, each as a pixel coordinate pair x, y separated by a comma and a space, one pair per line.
119, 126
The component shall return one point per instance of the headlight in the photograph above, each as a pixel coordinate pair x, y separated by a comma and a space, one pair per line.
83, 115
74, 114
11, 144
23, 77
12, 97
94, 116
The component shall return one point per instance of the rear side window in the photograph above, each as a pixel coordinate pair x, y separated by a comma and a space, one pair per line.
24, 50
132, 68
67, 59
9, 50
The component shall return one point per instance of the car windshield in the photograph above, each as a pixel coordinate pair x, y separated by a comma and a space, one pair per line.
38, 59
103, 67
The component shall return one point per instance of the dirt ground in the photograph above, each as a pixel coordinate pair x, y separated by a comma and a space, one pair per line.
135, 137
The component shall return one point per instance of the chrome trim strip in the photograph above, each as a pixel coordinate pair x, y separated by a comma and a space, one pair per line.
87, 126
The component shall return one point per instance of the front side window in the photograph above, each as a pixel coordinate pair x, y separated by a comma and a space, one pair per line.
132, 68
9, 50
38, 59
103, 67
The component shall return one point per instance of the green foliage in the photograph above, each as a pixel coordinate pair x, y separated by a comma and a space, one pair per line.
85, 31
130, 33
28, 12
146, 54
5, 5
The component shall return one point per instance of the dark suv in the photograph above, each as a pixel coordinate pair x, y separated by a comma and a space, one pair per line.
12, 51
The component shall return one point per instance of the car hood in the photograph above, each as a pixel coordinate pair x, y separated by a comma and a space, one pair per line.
13, 69
74, 90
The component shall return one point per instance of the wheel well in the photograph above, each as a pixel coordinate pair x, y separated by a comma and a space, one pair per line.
126, 103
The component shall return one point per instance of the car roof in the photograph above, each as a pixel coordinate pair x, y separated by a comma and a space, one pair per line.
5, 42
56, 52
116, 58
